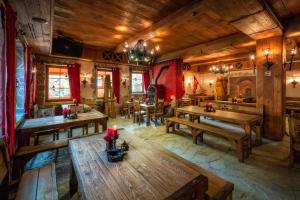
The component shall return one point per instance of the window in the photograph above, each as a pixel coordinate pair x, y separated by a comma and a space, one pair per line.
100, 82
137, 82
20, 84
58, 84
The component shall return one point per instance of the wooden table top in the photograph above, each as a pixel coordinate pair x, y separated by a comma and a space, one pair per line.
223, 115
145, 173
58, 121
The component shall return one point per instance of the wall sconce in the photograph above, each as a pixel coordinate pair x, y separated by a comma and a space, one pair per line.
123, 83
268, 64
84, 81
210, 83
294, 83
293, 53
33, 70
252, 58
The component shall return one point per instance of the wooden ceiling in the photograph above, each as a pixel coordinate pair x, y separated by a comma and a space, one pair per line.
107, 23
195, 30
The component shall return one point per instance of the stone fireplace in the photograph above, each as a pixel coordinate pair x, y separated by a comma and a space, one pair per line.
242, 87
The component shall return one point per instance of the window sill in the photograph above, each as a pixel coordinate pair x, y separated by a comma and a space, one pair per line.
19, 118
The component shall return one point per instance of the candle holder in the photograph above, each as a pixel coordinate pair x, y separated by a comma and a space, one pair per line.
113, 153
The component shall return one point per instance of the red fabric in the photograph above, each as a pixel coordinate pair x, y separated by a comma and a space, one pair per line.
74, 79
27, 81
172, 79
34, 84
195, 86
10, 88
146, 78
116, 82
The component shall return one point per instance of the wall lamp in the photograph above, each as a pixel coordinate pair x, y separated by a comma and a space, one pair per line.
293, 53
268, 64
294, 83
252, 58
84, 81
210, 83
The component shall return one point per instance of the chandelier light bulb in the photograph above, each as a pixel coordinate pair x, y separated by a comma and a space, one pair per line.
293, 51
157, 47
126, 45
145, 44
152, 51
252, 57
125, 50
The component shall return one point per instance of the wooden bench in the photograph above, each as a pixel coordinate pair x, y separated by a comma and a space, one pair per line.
247, 108
38, 184
240, 142
35, 184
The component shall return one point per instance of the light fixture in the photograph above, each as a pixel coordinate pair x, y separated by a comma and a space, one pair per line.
268, 64
294, 83
222, 70
141, 53
252, 58
84, 81
210, 83
290, 62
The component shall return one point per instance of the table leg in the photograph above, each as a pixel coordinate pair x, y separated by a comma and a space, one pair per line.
73, 184
96, 127
129, 111
104, 125
148, 116
248, 130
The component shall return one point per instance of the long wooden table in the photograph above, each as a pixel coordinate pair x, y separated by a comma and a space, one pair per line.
145, 173
29, 126
244, 120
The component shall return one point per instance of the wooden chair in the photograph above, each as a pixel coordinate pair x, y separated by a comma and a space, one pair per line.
158, 112
138, 113
294, 129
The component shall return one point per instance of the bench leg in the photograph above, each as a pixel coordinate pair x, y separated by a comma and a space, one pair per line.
73, 182
240, 151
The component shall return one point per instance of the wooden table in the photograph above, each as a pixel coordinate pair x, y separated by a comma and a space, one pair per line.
244, 120
147, 172
29, 126
130, 108
147, 108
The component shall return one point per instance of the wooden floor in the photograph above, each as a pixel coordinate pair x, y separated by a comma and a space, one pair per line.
264, 175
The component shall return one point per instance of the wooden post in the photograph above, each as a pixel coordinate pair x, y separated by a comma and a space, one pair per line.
271, 87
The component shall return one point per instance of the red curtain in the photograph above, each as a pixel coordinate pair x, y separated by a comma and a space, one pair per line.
27, 81
116, 82
146, 78
195, 85
74, 79
10, 77
34, 84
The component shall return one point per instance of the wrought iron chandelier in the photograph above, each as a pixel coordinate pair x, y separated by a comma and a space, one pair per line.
140, 54
222, 70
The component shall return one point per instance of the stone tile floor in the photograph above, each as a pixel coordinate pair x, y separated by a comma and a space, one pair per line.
264, 175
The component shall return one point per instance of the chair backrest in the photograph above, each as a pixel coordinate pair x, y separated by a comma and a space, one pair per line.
136, 106
294, 128
4, 161
159, 106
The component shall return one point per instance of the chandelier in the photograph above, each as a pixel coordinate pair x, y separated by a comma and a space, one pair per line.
222, 70
140, 54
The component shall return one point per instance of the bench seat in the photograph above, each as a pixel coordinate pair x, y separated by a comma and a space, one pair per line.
38, 184
240, 142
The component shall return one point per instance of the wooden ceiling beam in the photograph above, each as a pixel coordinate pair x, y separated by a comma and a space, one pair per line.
178, 17
237, 42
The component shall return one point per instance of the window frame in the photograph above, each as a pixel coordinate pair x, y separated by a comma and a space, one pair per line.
102, 70
143, 83
47, 85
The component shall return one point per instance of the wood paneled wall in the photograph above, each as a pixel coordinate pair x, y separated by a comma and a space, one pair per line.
271, 89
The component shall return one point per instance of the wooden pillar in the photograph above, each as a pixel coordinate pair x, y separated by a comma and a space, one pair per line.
271, 86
